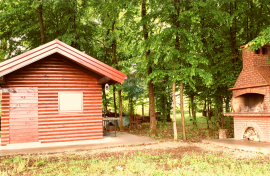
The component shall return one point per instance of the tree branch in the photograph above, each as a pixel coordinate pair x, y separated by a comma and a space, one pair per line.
104, 46
35, 9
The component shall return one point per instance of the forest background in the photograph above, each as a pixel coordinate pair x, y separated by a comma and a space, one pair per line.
164, 46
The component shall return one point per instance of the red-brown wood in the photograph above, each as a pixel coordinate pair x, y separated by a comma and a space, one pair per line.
72, 54
23, 123
50, 75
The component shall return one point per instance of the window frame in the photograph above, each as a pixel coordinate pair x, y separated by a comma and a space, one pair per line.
70, 92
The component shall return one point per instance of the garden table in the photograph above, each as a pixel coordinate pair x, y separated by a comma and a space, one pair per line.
105, 120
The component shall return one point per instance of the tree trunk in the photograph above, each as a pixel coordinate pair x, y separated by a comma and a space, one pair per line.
120, 111
41, 24
142, 109
193, 112
189, 113
129, 106
114, 102
152, 106
177, 47
174, 111
182, 110
221, 112
207, 116
130, 111
228, 104
119, 92
153, 130
204, 107
164, 105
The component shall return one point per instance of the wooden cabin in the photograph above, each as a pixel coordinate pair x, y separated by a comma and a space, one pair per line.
53, 93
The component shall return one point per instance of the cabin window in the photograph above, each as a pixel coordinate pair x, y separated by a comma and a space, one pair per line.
70, 101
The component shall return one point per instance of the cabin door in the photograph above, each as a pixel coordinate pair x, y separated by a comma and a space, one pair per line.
23, 115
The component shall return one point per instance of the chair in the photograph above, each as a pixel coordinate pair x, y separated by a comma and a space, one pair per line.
135, 120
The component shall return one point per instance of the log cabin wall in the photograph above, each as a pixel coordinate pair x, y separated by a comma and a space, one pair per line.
50, 76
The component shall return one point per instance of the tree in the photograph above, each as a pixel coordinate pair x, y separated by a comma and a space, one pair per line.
27, 24
149, 67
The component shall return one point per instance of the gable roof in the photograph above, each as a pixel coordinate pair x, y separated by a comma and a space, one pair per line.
65, 50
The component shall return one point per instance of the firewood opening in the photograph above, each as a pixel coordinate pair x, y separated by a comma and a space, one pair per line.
250, 102
251, 134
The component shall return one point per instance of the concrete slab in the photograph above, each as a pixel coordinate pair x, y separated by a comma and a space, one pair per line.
241, 144
121, 139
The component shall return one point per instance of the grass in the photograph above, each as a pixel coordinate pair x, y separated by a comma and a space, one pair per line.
193, 133
177, 160
136, 163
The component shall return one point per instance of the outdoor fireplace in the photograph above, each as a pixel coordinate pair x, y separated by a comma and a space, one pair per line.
251, 97
250, 102
251, 134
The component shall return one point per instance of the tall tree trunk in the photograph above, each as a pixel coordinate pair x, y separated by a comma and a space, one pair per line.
189, 113
177, 47
174, 111
207, 116
142, 109
119, 92
204, 107
115, 107
221, 112
164, 102
193, 112
120, 111
41, 24
73, 26
228, 104
153, 130
130, 111
152, 106
131, 106
182, 110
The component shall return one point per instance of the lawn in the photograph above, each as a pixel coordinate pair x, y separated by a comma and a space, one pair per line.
168, 158
193, 133
165, 158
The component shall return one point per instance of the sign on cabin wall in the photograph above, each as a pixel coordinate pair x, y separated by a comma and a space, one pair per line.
70, 102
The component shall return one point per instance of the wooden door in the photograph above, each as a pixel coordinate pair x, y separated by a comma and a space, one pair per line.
23, 115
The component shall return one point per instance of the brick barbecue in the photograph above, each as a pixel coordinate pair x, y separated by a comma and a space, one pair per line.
251, 96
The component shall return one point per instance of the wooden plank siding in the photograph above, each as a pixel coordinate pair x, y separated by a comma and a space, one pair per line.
23, 115
51, 75
65, 50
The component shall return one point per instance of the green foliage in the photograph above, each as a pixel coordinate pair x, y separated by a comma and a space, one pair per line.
134, 87
261, 40
200, 40
67, 21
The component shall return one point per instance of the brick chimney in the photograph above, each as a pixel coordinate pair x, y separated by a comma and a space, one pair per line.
256, 68
251, 96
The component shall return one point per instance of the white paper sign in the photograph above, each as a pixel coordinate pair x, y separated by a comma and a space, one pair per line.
70, 101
